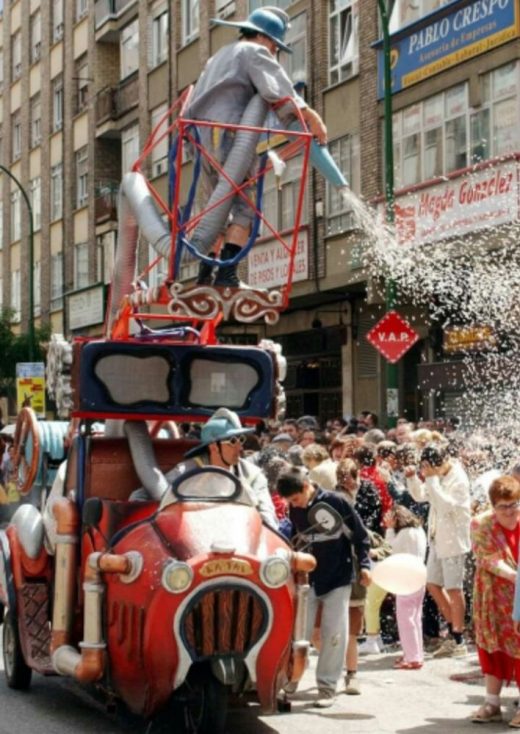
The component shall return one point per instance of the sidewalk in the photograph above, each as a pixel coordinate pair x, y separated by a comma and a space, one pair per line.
438, 698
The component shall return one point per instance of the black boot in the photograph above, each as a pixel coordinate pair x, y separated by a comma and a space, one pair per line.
227, 274
205, 276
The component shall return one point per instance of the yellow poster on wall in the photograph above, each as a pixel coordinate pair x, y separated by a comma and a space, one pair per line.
30, 387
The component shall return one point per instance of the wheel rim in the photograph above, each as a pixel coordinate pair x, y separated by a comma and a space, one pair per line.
9, 644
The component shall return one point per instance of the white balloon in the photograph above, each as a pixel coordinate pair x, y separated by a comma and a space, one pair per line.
400, 573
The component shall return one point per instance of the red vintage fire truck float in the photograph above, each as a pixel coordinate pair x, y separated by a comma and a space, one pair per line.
188, 596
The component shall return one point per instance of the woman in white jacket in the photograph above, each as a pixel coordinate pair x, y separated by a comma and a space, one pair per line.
406, 535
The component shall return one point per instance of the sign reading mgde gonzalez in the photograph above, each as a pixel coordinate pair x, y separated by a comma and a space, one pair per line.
452, 34
392, 336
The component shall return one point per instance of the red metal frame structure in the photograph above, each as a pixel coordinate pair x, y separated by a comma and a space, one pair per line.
174, 123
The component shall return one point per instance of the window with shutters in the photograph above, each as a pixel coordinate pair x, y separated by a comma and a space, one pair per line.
81, 177
159, 36
36, 121
16, 56
36, 36
57, 281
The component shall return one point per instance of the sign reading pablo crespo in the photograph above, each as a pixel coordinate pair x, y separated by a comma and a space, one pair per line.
446, 38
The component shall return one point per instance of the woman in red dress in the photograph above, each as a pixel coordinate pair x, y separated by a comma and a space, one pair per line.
495, 536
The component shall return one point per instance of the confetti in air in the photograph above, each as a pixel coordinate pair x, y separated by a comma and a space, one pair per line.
466, 281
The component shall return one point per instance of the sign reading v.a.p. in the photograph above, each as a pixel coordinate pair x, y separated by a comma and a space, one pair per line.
392, 336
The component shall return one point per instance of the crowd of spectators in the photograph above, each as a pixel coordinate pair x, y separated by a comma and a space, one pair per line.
419, 489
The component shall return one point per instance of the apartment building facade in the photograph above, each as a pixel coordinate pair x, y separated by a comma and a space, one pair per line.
84, 82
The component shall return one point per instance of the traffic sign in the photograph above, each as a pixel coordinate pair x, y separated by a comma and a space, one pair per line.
392, 336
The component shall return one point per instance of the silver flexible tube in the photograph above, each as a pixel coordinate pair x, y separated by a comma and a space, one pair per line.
141, 448
136, 212
237, 166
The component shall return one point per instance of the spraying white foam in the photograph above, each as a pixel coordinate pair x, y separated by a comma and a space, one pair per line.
471, 280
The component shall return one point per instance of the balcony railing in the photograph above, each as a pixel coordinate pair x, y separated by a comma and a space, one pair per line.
105, 105
105, 204
127, 94
106, 10
113, 102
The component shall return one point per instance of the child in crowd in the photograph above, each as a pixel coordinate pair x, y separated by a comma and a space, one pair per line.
406, 535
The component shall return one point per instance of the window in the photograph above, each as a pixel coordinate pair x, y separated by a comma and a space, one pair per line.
254, 4
159, 45
16, 56
1, 68
159, 154
36, 37
16, 133
129, 49
280, 201
159, 272
443, 134
500, 110
295, 64
405, 12
81, 177
16, 295
190, 20
36, 121
81, 8
82, 81
16, 220
345, 152
56, 192
343, 40
56, 281
129, 147
37, 287
106, 252
81, 279
35, 195
57, 20
57, 104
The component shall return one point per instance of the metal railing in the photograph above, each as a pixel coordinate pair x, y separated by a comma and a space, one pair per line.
114, 102
106, 10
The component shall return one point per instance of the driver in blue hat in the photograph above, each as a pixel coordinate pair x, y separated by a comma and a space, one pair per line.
220, 445
228, 82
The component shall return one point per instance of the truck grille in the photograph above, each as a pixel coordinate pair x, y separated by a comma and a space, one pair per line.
225, 621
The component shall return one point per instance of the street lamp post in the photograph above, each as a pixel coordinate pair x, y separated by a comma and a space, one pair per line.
32, 350
392, 392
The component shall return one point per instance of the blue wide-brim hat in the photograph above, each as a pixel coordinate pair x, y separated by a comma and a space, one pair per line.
263, 21
216, 429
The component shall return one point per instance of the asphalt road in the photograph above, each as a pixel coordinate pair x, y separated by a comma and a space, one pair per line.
438, 698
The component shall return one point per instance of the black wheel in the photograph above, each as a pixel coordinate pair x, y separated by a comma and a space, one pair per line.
205, 703
199, 706
17, 672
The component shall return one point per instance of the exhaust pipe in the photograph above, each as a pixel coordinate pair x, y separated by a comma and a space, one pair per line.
88, 665
300, 645
67, 531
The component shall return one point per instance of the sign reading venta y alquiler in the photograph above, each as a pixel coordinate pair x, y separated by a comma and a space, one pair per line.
447, 37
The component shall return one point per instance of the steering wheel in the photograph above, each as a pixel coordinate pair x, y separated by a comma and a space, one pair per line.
26, 449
